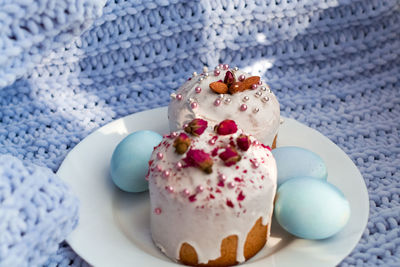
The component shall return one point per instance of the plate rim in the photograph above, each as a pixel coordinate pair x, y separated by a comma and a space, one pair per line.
63, 166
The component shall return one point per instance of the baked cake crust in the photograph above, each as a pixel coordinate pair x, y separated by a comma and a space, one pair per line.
210, 206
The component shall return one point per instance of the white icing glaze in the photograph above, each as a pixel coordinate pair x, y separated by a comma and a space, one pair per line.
263, 125
205, 222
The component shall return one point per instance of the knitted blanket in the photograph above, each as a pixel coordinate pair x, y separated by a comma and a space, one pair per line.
68, 67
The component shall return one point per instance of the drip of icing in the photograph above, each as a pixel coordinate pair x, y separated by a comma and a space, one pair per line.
262, 123
205, 222
181, 223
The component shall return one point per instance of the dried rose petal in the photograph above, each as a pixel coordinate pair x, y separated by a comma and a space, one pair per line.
214, 152
192, 198
267, 147
196, 127
182, 143
241, 197
229, 78
230, 156
243, 142
200, 159
229, 203
226, 127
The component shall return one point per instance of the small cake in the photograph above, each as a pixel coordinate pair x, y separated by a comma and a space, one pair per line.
211, 192
226, 93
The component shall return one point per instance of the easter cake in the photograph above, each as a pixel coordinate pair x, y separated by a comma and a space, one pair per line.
211, 191
227, 93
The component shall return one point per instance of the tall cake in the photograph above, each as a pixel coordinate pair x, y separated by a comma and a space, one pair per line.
227, 93
211, 189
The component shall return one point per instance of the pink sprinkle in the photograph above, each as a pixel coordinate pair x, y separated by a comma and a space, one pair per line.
254, 86
166, 174
213, 140
160, 155
179, 97
226, 66
241, 78
222, 177
220, 66
229, 203
198, 90
185, 192
178, 165
169, 188
256, 143
194, 105
212, 196
157, 211
255, 164
243, 107
217, 72
259, 82
158, 167
231, 185
217, 102
200, 188
185, 125
221, 183
174, 134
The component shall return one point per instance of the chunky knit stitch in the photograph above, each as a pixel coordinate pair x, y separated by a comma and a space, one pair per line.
37, 211
68, 67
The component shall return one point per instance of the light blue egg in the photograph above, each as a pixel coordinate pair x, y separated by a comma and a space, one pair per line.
292, 161
129, 162
311, 208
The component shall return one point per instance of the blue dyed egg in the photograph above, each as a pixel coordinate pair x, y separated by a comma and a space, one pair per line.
129, 162
311, 208
292, 161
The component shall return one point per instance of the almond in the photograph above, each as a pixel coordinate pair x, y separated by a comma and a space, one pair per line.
219, 87
236, 87
250, 81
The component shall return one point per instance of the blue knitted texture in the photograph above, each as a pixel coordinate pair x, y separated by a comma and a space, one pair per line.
69, 67
37, 211
30, 30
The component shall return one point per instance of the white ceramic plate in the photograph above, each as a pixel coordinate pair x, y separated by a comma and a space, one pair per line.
114, 226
